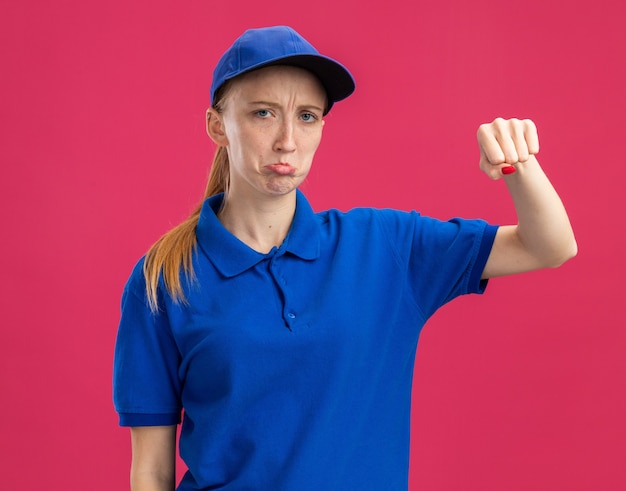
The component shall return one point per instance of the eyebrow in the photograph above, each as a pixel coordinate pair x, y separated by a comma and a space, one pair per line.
275, 105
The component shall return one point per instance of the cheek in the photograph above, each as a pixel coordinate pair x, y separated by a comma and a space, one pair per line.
232, 133
240, 141
313, 140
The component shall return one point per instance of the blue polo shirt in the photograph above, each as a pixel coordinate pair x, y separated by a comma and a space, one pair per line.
294, 368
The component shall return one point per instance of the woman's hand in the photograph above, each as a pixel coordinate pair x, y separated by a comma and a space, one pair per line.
505, 143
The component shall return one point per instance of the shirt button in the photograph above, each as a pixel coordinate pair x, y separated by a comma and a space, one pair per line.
291, 315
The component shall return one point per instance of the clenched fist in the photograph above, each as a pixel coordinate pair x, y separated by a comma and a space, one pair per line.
504, 143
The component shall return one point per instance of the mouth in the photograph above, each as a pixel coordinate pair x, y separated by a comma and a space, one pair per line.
282, 169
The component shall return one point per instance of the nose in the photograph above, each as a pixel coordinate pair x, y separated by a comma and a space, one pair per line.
285, 138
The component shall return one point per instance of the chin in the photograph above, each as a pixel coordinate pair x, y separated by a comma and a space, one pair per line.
281, 187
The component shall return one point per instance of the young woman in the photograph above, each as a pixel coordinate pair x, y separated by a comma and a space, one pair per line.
288, 337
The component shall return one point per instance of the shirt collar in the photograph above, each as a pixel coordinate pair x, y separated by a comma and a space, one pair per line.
232, 257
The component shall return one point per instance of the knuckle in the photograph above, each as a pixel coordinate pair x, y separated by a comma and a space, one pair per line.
530, 123
499, 122
483, 129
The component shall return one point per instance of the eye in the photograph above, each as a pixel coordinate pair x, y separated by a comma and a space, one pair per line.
263, 113
308, 117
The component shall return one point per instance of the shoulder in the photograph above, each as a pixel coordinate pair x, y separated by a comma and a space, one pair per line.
136, 281
363, 215
391, 221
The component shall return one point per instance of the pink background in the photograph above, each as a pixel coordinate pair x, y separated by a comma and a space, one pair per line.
103, 149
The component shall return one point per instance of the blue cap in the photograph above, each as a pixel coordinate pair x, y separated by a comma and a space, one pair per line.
281, 45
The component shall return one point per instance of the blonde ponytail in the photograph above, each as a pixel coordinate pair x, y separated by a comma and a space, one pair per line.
174, 250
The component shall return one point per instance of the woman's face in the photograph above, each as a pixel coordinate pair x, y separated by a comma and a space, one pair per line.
271, 126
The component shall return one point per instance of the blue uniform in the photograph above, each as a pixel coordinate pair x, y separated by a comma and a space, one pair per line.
294, 368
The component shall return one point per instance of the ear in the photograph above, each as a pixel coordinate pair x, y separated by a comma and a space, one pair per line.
215, 127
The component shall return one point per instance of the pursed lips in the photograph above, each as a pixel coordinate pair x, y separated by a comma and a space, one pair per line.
282, 168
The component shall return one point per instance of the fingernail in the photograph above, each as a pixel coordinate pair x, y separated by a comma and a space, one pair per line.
509, 169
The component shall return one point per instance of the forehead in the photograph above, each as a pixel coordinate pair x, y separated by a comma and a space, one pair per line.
276, 82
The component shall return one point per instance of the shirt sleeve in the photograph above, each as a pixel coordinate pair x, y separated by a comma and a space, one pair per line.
146, 385
443, 259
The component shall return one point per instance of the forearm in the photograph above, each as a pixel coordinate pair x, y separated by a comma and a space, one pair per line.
151, 481
153, 465
543, 229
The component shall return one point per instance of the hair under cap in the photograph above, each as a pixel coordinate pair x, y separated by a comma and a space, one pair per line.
281, 45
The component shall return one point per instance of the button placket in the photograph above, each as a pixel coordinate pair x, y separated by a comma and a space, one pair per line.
289, 314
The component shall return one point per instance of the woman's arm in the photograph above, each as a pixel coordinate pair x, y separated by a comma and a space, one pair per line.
543, 236
153, 465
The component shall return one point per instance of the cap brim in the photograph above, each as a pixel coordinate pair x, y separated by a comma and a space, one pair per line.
335, 78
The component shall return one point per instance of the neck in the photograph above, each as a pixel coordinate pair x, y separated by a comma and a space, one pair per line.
261, 225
